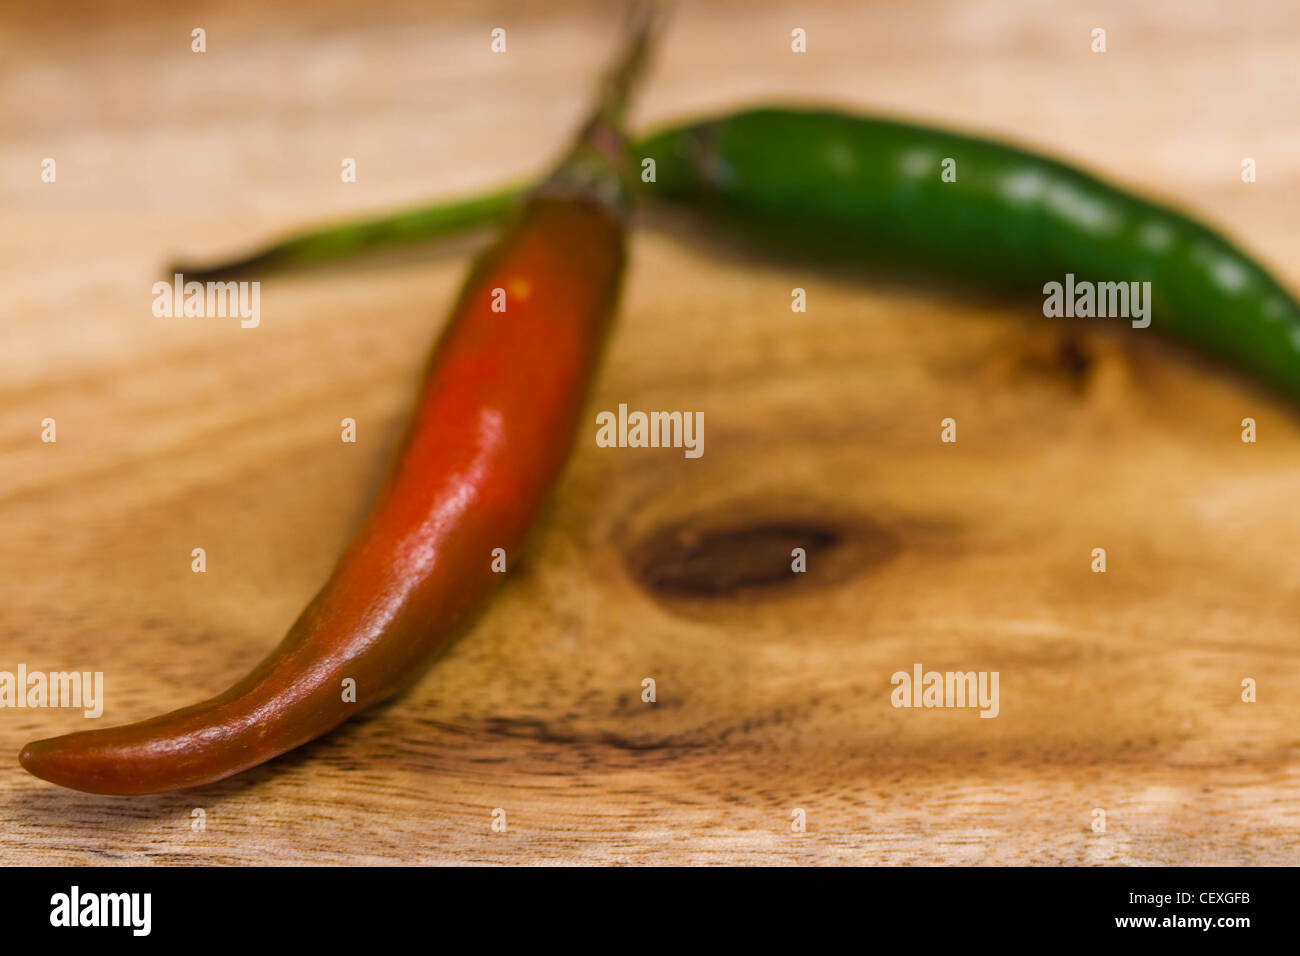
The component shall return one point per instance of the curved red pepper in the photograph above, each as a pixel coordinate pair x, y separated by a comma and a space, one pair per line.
497, 414
495, 420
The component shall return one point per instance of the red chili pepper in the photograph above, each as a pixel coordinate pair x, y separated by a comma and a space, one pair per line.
496, 417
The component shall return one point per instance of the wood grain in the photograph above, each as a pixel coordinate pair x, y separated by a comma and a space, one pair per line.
1118, 691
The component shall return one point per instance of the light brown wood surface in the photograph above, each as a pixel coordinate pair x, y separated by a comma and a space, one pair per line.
1118, 691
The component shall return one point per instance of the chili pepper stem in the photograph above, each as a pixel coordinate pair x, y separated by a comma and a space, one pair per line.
339, 241
596, 163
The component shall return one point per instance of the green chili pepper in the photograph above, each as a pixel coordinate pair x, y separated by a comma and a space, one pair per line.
874, 190
923, 200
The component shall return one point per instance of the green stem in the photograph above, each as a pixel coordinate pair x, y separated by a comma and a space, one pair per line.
343, 240
597, 161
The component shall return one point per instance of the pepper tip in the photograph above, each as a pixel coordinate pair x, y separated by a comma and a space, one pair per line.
29, 757
35, 759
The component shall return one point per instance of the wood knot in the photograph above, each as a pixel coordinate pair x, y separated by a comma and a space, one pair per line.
713, 559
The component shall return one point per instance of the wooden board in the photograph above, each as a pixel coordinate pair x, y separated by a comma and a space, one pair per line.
1119, 691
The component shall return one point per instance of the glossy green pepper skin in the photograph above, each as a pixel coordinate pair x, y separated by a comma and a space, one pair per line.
874, 191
